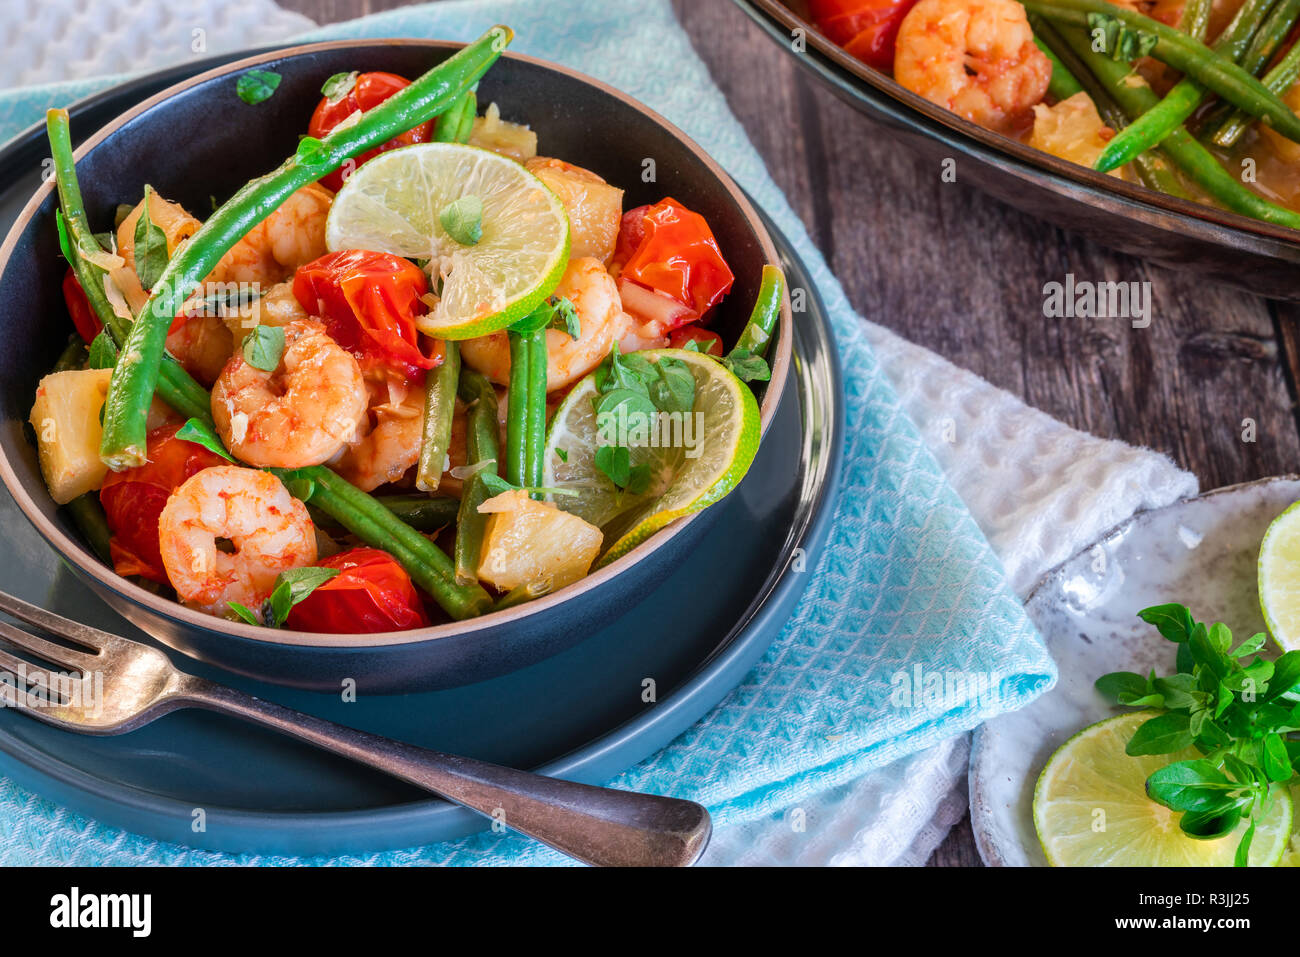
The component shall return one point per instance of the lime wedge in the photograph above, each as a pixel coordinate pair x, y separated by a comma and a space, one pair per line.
1091, 809
1279, 578
694, 459
394, 204
1291, 856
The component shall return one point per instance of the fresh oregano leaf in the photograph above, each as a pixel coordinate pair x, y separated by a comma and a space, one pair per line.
256, 86
263, 347
462, 219
200, 433
150, 246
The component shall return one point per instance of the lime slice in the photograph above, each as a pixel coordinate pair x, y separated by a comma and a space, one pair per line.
1291, 856
1279, 578
1091, 809
394, 202
694, 459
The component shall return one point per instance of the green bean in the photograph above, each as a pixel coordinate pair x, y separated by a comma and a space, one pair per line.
439, 411
1195, 21
1194, 160
1270, 36
361, 514
1153, 167
757, 333
467, 118
1183, 53
450, 123
1279, 79
514, 466
1063, 83
535, 447
1179, 103
424, 513
178, 388
365, 517
88, 515
136, 374
482, 449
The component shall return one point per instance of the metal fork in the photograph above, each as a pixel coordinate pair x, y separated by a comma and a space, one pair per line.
120, 685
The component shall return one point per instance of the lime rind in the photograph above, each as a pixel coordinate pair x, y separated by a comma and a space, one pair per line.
1278, 572
1091, 773
393, 204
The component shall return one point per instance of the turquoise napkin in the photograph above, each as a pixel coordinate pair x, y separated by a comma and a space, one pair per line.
908, 632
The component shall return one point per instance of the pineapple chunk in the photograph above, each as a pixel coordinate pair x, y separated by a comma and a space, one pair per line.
1072, 130
595, 208
66, 420
534, 543
509, 139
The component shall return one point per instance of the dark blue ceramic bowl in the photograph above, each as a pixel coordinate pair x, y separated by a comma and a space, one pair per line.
225, 143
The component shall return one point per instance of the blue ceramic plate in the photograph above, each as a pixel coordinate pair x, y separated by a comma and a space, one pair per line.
577, 715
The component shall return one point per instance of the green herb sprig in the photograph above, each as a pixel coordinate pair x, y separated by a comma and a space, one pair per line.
631, 389
291, 587
1237, 708
255, 86
150, 246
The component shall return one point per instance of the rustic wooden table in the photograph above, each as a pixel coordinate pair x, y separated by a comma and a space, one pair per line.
959, 273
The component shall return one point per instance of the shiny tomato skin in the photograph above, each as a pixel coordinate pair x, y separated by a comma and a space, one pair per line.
133, 500
372, 593
866, 29
83, 317
369, 302
679, 257
370, 90
709, 341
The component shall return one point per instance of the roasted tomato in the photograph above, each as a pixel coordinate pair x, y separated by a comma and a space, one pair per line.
369, 90
369, 302
371, 593
83, 317
709, 342
674, 254
866, 29
133, 499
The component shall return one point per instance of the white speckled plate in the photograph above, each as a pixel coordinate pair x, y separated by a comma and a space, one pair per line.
1200, 552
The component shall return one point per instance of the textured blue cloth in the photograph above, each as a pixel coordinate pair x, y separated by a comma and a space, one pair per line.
906, 586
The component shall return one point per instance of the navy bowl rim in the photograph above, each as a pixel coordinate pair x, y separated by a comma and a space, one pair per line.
74, 551
861, 82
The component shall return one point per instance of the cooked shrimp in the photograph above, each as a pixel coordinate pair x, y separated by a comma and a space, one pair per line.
269, 529
600, 314
300, 414
202, 345
976, 58
177, 225
276, 307
291, 236
390, 446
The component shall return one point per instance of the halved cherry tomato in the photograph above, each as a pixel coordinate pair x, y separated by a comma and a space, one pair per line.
371, 593
134, 498
675, 254
369, 91
709, 342
369, 302
83, 317
867, 29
